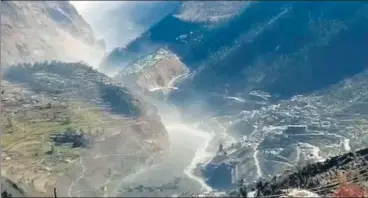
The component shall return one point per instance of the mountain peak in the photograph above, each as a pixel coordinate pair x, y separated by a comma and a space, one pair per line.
38, 31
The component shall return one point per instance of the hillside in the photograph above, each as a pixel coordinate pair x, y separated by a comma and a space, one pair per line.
286, 49
57, 114
278, 89
288, 84
38, 31
182, 32
324, 178
233, 51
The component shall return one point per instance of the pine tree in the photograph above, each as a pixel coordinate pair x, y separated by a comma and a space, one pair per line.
221, 148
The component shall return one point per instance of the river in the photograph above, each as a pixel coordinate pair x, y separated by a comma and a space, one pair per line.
175, 175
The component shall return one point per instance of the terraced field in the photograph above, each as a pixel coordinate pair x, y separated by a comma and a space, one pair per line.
53, 116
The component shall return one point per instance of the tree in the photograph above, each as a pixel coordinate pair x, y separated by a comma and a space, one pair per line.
243, 189
5, 194
55, 195
221, 148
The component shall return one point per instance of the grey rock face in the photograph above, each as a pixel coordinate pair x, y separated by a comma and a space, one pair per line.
37, 31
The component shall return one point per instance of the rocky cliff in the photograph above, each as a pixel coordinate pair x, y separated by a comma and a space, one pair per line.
37, 31
157, 72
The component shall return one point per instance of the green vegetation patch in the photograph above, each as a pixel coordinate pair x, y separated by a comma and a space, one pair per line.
33, 138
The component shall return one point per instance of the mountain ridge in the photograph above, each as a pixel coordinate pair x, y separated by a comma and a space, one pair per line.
62, 33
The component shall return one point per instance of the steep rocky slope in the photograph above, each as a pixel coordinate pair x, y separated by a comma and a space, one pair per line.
249, 50
289, 84
37, 31
60, 117
323, 178
182, 31
284, 50
157, 72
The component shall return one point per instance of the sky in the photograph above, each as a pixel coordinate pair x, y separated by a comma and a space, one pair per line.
82, 5
96, 14
119, 22
115, 21
86, 7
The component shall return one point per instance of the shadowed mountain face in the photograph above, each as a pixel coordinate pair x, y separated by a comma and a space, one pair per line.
285, 48
181, 31
286, 79
297, 48
121, 22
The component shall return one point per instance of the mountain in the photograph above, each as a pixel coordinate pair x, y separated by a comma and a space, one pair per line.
272, 55
250, 44
278, 85
62, 118
285, 79
38, 31
175, 30
121, 22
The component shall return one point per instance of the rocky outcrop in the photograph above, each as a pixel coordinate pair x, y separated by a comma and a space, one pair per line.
323, 178
38, 31
156, 72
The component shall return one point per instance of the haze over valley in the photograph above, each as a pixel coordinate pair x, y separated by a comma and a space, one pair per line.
193, 98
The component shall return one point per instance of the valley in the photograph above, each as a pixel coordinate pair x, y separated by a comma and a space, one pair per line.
209, 99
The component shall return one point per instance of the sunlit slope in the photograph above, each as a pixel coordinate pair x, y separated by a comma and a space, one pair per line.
55, 113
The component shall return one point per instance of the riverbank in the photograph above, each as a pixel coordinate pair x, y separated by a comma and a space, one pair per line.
189, 147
